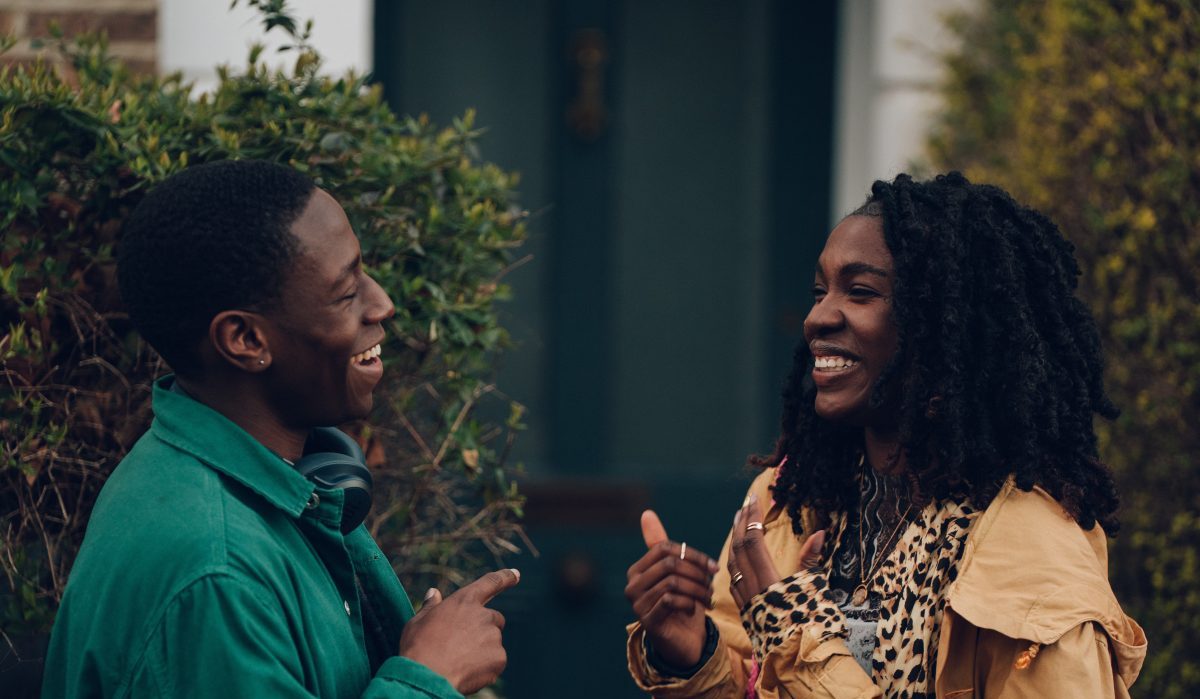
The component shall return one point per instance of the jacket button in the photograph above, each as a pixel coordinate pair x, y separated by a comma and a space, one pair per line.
313, 501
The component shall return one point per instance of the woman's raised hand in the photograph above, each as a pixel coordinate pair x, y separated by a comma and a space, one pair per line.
751, 570
670, 589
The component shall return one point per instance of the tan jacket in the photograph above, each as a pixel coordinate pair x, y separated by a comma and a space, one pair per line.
1031, 614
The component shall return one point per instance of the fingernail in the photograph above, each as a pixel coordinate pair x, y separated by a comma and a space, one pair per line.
747, 500
516, 572
712, 565
753, 499
430, 593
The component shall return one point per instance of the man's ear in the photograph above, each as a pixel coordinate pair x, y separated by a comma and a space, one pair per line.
240, 338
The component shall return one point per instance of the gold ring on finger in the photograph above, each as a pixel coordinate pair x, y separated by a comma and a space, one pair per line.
737, 578
754, 525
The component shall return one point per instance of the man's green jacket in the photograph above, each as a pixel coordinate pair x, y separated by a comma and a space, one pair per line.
211, 568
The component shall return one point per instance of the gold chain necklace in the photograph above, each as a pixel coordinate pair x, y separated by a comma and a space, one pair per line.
859, 598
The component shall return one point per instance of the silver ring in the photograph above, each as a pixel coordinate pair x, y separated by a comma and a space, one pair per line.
683, 551
737, 578
754, 525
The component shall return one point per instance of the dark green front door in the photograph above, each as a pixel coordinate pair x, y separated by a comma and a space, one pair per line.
676, 154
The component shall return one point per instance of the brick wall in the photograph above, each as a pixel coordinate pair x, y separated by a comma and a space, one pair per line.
132, 26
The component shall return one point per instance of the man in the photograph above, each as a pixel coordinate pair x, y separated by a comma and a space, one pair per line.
211, 567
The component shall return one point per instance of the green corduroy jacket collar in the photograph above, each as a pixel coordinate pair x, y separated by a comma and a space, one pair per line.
192, 427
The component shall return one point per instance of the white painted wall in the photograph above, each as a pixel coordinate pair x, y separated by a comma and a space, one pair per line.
888, 73
197, 35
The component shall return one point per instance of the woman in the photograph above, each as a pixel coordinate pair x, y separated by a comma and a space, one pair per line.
932, 522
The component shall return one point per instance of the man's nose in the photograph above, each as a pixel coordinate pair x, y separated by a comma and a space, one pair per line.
381, 307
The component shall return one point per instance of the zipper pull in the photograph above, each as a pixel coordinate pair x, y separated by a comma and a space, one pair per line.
1025, 659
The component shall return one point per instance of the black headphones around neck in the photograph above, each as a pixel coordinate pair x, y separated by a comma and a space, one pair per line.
333, 461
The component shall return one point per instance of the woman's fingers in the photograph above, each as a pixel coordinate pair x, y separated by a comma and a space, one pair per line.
810, 554
670, 549
683, 594
663, 569
756, 557
688, 577
751, 570
742, 576
737, 596
664, 607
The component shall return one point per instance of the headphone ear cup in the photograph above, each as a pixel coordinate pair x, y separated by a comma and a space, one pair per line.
332, 440
334, 461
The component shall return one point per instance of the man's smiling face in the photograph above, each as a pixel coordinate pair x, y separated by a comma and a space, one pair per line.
326, 327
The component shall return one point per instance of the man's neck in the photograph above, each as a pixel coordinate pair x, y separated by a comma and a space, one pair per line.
246, 408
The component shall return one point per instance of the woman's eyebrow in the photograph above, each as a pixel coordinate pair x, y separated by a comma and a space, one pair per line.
854, 268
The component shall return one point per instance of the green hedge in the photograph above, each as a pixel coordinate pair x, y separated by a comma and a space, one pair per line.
80, 145
1090, 110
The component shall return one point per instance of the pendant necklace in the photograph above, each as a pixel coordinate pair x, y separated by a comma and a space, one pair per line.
861, 592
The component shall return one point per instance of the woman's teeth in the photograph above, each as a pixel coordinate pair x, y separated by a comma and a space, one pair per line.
833, 363
367, 356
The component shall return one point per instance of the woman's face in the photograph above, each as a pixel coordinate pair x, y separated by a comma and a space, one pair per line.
850, 329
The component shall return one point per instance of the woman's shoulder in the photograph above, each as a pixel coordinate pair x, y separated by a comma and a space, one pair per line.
1032, 527
1030, 571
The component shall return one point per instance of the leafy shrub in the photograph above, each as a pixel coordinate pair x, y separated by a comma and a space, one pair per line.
78, 149
1089, 110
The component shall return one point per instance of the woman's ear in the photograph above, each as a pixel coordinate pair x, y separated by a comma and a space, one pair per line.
240, 338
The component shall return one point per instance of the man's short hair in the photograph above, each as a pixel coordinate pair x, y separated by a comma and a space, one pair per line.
211, 238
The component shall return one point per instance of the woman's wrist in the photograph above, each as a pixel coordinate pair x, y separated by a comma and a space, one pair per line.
794, 603
655, 660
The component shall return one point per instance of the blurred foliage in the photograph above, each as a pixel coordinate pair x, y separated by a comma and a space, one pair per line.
81, 141
1089, 110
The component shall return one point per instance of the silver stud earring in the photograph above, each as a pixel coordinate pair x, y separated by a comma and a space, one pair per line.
261, 362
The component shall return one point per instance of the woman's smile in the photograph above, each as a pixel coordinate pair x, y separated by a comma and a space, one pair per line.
850, 331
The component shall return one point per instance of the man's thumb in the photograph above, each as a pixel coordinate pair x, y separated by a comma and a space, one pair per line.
652, 529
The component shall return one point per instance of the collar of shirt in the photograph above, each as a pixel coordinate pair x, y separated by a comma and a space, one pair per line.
216, 441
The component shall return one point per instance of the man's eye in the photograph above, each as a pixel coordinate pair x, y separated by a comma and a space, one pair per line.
818, 292
349, 296
862, 292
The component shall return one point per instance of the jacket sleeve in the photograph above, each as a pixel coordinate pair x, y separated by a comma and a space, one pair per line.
798, 636
1079, 664
719, 678
221, 637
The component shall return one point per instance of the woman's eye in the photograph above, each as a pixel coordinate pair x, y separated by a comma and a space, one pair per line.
818, 293
862, 292
349, 296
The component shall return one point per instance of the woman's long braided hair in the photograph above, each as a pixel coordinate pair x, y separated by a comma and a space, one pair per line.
999, 367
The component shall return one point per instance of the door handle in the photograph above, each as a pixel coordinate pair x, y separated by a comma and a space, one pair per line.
587, 114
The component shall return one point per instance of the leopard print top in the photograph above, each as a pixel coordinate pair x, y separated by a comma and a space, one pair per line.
911, 583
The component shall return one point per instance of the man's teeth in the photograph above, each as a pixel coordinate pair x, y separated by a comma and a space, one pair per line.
834, 363
366, 356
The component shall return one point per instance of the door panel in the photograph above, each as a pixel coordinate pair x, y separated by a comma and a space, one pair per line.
689, 238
